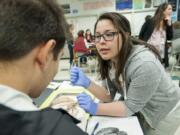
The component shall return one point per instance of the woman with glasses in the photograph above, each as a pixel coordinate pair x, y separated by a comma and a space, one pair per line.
133, 80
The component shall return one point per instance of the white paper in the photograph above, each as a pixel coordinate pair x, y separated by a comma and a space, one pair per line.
53, 85
130, 124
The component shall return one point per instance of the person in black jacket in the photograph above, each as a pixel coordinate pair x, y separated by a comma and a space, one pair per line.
158, 30
44, 122
32, 37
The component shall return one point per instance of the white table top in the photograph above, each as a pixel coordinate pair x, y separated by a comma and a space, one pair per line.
130, 124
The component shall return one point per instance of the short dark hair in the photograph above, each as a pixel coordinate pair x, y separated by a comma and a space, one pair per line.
148, 17
25, 24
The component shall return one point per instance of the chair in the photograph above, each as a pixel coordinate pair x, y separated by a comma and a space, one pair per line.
80, 49
92, 64
78, 57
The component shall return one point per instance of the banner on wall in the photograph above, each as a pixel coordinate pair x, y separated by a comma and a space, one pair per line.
91, 5
83, 7
123, 4
138, 4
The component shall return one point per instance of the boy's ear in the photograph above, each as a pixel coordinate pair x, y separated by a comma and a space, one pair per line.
45, 52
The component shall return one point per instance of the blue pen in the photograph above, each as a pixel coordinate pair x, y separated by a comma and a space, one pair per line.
96, 126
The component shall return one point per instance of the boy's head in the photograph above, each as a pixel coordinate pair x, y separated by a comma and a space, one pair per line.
26, 24
33, 30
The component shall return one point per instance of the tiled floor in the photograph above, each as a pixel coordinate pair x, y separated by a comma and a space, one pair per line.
64, 70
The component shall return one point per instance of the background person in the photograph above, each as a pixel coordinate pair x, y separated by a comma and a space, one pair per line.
32, 37
148, 17
70, 42
131, 68
80, 48
88, 36
158, 30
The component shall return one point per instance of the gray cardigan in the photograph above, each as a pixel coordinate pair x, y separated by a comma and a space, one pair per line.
149, 89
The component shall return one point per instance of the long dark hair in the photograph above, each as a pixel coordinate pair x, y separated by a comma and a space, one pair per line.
123, 27
158, 16
90, 35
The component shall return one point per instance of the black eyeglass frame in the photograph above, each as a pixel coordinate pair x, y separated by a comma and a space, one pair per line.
97, 38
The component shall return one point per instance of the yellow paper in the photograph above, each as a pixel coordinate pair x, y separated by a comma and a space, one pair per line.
64, 91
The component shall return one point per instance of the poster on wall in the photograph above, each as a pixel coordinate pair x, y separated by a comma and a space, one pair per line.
174, 16
156, 3
66, 8
98, 4
148, 4
87, 7
138, 4
173, 3
123, 4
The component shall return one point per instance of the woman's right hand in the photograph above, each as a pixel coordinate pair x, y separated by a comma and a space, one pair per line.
168, 19
77, 77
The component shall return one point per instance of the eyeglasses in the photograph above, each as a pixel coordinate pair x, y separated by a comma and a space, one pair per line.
109, 36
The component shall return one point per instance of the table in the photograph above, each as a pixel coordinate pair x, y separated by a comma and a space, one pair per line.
128, 124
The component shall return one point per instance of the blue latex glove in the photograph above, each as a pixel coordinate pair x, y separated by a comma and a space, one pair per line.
86, 102
77, 77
